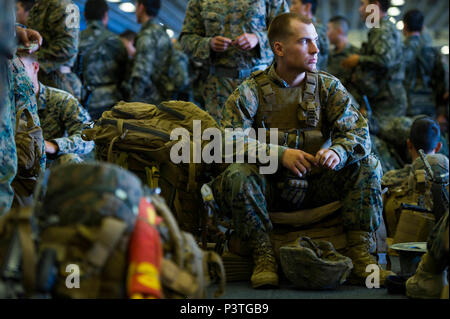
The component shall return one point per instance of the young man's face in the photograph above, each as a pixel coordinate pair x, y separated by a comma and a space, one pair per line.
300, 51
140, 9
298, 7
333, 33
21, 14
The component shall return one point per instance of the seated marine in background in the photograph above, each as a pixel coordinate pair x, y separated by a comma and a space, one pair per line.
62, 118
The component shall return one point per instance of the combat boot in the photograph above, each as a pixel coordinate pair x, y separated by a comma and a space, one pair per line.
265, 265
428, 281
358, 250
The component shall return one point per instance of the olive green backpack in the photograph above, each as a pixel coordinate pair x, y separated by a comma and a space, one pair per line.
136, 136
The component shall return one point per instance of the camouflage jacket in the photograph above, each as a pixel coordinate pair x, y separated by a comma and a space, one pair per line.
381, 64
425, 72
58, 22
150, 65
334, 64
62, 120
104, 69
24, 97
206, 19
324, 45
8, 153
342, 121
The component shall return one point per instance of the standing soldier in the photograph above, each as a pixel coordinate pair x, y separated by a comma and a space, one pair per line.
338, 28
231, 35
325, 131
58, 21
102, 61
308, 9
425, 80
149, 73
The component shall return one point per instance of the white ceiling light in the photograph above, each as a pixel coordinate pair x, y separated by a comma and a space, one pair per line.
394, 11
127, 7
400, 25
397, 3
170, 33
444, 49
392, 19
114, 1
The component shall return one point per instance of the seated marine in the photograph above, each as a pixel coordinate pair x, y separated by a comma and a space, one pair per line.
323, 145
62, 118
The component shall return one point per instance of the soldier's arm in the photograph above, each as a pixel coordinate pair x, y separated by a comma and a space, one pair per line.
239, 111
273, 8
193, 38
383, 51
63, 45
140, 85
74, 118
349, 129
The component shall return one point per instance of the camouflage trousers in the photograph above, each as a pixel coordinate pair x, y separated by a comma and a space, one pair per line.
246, 196
68, 82
8, 153
216, 91
438, 241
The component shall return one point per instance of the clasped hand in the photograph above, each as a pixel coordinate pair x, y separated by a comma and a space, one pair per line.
300, 162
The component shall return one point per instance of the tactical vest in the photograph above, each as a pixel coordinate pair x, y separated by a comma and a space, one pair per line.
296, 112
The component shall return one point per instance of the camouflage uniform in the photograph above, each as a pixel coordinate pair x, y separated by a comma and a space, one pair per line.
206, 19
437, 239
53, 18
324, 45
334, 64
246, 195
103, 69
8, 153
424, 76
380, 73
62, 121
150, 65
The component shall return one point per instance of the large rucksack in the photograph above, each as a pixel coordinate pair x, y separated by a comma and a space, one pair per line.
136, 136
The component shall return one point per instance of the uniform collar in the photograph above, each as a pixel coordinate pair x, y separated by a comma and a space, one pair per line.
147, 24
96, 24
273, 75
42, 100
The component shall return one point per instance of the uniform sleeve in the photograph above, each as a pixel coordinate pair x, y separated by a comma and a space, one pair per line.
193, 37
74, 117
349, 129
239, 111
382, 48
63, 46
273, 8
140, 84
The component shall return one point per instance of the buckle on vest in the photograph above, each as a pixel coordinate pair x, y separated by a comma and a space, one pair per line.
312, 118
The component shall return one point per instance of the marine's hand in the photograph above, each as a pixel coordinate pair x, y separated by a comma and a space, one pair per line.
51, 148
327, 158
246, 42
351, 62
220, 44
297, 161
26, 36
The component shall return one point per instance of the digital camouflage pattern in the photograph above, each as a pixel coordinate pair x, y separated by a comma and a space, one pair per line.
424, 76
380, 72
8, 153
104, 61
85, 193
150, 66
62, 121
334, 64
24, 97
324, 46
206, 19
247, 196
437, 241
56, 21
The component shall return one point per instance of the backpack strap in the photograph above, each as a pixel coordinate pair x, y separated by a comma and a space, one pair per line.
264, 85
311, 98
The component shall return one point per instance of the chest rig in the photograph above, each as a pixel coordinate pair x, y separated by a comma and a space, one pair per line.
295, 112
